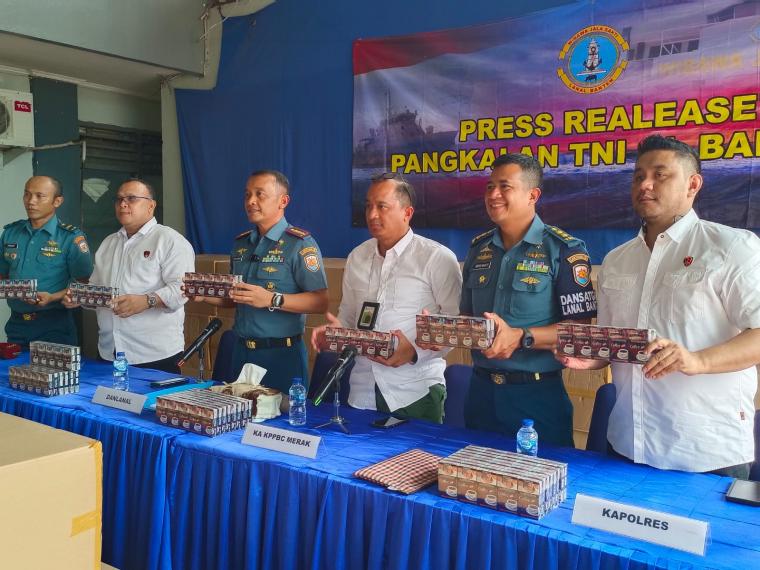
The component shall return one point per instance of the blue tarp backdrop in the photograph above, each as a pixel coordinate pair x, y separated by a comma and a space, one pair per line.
284, 100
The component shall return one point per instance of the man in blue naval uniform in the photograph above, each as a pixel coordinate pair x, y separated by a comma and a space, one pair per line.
43, 248
526, 276
284, 279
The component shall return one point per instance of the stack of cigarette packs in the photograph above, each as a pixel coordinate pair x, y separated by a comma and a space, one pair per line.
92, 296
54, 370
203, 412
210, 284
464, 332
367, 343
520, 484
18, 289
605, 343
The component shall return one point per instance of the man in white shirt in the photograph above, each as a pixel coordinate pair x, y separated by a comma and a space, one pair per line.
145, 261
405, 274
691, 407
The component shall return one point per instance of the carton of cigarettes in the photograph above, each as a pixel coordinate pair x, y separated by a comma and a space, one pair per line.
203, 412
367, 343
210, 284
519, 484
464, 332
43, 380
91, 296
606, 343
25, 289
54, 355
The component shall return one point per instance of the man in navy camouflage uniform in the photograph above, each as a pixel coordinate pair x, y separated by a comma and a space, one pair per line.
43, 248
526, 276
284, 279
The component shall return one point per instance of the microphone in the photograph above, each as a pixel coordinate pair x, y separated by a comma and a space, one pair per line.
212, 327
345, 358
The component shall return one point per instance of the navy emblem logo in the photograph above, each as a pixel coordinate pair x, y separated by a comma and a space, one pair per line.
593, 59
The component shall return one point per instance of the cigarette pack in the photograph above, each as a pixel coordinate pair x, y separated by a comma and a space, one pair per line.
55, 355
520, 484
604, 343
91, 296
464, 332
218, 285
25, 289
43, 380
203, 412
367, 343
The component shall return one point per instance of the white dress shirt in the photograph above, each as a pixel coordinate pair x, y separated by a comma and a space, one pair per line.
416, 274
153, 260
699, 287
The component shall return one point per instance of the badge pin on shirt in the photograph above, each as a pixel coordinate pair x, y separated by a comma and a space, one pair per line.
687, 261
146, 254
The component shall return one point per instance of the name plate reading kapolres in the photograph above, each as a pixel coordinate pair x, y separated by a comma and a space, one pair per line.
119, 399
286, 441
651, 526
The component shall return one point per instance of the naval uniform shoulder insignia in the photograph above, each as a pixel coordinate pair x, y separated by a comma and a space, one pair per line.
560, 234
16, 223
480, 237
298, 232
67, 227
244, 234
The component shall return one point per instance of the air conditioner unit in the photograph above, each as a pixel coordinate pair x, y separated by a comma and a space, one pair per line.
16, 119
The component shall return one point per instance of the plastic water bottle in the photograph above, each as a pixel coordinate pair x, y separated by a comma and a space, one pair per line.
121, 372
527, 439
297, 394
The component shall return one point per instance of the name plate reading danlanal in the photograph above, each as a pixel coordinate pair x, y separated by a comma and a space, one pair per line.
286, 441
651, 526
119, 399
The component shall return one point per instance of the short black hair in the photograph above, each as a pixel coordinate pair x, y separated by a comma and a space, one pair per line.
279, 178
148, 187
54, 181
531, 169
683, 151
404, 189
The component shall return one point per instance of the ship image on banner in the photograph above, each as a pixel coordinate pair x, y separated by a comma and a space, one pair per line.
577, 87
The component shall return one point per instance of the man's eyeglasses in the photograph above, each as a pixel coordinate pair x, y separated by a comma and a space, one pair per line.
129, 199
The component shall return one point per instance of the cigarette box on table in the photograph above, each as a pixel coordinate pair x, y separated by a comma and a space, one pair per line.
218, 285
606, 343
463, 332
367, 343
521, 484
203, 412
51, 492
18, 289
91, 296
53, 370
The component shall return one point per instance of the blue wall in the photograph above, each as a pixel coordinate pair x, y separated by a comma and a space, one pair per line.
284, 100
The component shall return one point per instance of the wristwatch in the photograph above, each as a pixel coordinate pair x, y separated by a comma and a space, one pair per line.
152, 300
527, 340
277, 300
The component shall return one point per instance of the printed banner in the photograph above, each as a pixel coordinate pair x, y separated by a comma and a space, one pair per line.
576, 87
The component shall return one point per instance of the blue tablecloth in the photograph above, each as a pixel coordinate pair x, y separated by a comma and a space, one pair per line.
179, 500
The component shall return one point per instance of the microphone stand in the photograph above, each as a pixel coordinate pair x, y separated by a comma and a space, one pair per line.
337, 419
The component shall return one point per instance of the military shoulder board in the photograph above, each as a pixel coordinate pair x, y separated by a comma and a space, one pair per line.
561, 234
298, 232
244, 234
480, 237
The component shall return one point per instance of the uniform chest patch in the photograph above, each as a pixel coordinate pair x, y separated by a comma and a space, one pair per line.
312, 262
269, 269
269, 258
530, 280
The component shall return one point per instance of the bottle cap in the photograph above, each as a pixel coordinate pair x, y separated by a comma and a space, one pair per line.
527, 422
121, 355
297, 380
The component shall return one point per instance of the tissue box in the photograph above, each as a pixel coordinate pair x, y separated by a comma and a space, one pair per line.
265, 401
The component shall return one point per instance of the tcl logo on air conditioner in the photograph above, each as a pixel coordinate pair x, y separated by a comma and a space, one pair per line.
23, 106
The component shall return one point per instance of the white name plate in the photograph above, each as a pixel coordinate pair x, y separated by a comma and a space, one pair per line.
651, 526
284, 440
119, 399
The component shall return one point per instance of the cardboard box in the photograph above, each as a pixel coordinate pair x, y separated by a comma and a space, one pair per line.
51, 492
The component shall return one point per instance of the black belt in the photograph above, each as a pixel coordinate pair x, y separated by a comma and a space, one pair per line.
258, 343
500, 377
